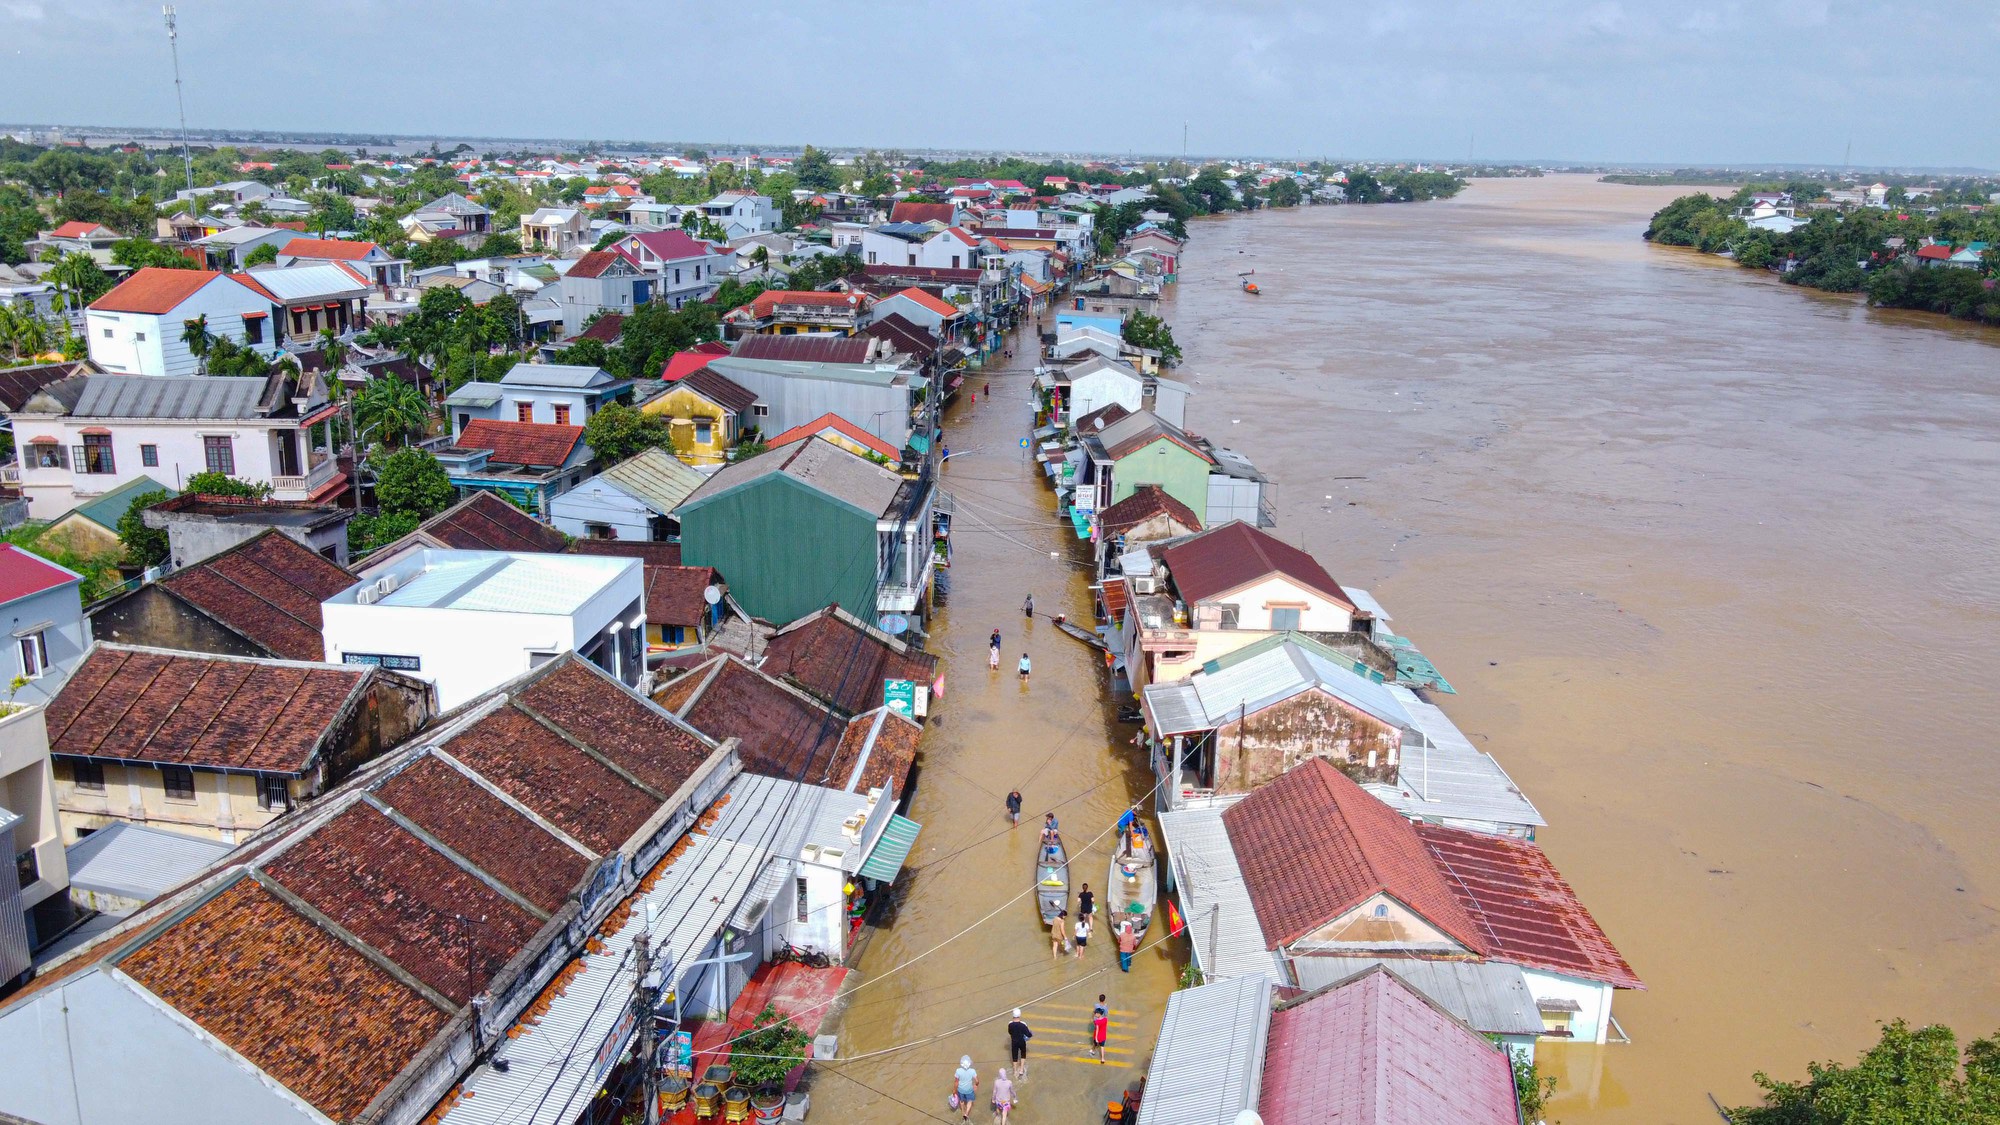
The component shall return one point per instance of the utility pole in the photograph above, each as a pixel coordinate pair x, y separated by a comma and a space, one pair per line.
649, 1041
174, 45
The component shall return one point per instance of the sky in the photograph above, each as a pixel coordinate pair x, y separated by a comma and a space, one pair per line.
1666, 81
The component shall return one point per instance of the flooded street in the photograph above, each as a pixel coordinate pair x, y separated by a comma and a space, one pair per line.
1714, 564
1711, 560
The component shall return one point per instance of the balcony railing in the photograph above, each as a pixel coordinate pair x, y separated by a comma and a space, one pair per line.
299, 487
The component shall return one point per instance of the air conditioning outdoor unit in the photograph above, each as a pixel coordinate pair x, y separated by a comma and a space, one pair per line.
367, 595
1146, 585
386, 585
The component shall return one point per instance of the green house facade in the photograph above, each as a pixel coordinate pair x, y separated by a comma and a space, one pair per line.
1180, 472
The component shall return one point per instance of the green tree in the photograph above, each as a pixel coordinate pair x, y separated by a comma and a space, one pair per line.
199, 340
1532, 1088
769, 1051
137, 253
410, 482
77, 280
1911, 1076
331, 349
144, 546
617, 431
1286, 193
1144, 330
261, 255
815, 170
391, 408
212, 483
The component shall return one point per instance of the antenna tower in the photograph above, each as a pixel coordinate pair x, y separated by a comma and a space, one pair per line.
174, 45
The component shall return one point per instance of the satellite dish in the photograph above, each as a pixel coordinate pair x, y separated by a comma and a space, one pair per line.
894, 624
712, 594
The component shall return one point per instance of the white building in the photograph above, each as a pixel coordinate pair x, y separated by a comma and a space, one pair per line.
468, 621
632, 500
742, 212
136, 328
86, 435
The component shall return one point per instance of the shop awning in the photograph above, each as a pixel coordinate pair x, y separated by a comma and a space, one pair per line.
885, 860
920, 443
1082, 521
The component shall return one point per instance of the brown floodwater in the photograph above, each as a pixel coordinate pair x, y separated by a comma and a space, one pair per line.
1711, 560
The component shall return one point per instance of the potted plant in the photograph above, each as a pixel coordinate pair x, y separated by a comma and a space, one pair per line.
763, 1057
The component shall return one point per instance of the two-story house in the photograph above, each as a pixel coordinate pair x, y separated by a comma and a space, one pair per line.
742, 212
918, 244
530, 463
883, 397
226, 248
554, 230
561, 394
137, 327
683, 268
378, 265
787, 312
79, 237
42, 609
601, 282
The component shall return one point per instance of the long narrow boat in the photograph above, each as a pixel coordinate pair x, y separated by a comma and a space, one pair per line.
1134, 886
1052, 880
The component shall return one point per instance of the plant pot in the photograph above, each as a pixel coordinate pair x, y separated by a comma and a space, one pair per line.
768, 1103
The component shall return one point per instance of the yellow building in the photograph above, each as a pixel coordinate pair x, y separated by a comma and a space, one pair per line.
707, 414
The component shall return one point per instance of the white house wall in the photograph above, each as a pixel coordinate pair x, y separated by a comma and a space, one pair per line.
597, 501
162, 352
52, 492
1590, 1025
1253, 602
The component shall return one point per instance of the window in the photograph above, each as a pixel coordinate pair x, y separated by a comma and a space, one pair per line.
524, 412
385, 660
562, 415
1285, 618
149, 456
34, 656
94, 455
87, 776
48, 456
139, 337
28, 871
704, 431
1230, 615
220, 454
1381, 911
871, 261
107, 333
273, 793
253, 330
804, 913
677, 277
760, 410
179, 782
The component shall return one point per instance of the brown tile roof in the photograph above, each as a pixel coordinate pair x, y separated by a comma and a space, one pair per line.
1313, 845
594, 264
605, 329
267, 590
563, 785
1097, 419
912, 211
147, 705
652, 554
485, 830
298, 1003
521, 443
840, 660
485, 522
154, 289
676, 595
631, 734
904, 335
1234, 555
19, 384
405, 900
719, 389
934, 275
1528, 912
783, 732
814, 347
1146, 501
888, 761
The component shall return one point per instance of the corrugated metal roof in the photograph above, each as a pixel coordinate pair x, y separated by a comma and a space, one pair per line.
1491, 997
1363, 600
1207, 875
299, 283
886, 858
1284, 670
1174, 708
552, 1063
474, 394
1210, 1057
656, 478
1443, 778
183, 397
137, 862
556, 375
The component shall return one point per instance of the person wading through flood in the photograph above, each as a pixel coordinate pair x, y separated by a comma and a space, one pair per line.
1024, 666
1028, 607
1059, 936
1100, 1027
1086, 902
967, 1087
1128, 944
1017, 1044
1014, 807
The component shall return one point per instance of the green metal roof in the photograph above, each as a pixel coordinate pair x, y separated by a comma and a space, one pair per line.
889, 852
920, 443
106, 509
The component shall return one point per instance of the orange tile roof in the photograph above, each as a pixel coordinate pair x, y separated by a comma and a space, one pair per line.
328, 249
154, 289
76, 228
846, 428
521, 443
937, 305
682, 364
767, 303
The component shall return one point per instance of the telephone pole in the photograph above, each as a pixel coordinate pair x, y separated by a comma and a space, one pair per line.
649, 1042
174, 45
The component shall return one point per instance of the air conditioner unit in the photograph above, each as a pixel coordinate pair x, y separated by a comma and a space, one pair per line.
387, 584
367, 595
1146, 585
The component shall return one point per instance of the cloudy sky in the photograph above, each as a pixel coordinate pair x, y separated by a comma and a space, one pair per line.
1694, 81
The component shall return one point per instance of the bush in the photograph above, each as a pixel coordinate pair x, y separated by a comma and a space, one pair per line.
410, 482
222, 484
770, 1051
144, 546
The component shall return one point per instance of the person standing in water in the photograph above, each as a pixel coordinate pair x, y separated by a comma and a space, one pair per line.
1028, 607
1023, 666
1014, 807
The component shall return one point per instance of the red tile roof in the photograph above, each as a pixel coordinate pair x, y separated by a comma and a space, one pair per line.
675, 594
593, 264
1235, 555
485, 522
912, 211
267, 590
634, 737
766, 303
546, 773
177, 708
783, 732
833, 422
673, 244
813, 347
23, 573
154, 289
1313, 845
298, 1003
1373, 1051
521, 443
938, 305
682, 364
487, 831
328, 249
842, 661
1934, 253
77, 228
606, 328
1146, 502
877, 752
1529, 913
1098, 419
930, 275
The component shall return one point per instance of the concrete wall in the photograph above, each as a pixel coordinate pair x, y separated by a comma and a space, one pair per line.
1593, 1023
598, 502
190, 539
65, 640
115, 343
1180, 473
1257, 749
152, 617
180, 448
1256, 602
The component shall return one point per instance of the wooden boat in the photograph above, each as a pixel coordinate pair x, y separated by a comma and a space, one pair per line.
1250, 286
1052, 879
1133, 886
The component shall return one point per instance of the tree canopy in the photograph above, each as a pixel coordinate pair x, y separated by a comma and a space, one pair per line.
618, 431
1911, 1076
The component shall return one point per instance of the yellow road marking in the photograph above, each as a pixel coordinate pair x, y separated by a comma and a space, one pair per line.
1077, 1008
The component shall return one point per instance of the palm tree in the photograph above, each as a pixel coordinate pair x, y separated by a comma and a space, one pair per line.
334, 351
199, 340
392, 406
77, 280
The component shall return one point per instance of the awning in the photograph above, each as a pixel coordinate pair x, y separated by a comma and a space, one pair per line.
43, 439
1082, 521
95, 431
255, 316
920, 443
885, 860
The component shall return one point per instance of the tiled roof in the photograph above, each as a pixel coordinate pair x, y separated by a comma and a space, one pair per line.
837, 658
1139, 430
485, 522
766, 303
1375, 1052
674, 594
405, 899
652, 554
637, 739
877, 752
1930, 253
534, 765
682, 364
1529, 913
913, 211
813, 347
1313, 845
75, 228
298, 1003
328, 249
833, 422
720, 389
938, 305
672, 244
521, 443
929, 275
154, 289
176, 708
593, 264
489, 832
1235, 555
1146, 501
784, 732
606, 328
23, 573
903, 335
19, 384
268, 590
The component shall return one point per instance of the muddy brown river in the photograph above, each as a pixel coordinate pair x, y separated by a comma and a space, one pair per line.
1712, 561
